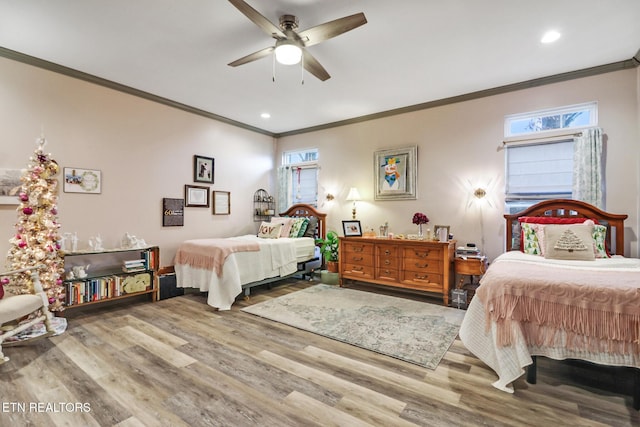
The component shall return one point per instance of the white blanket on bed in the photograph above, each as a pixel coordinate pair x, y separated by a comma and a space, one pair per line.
509, 362
276, 257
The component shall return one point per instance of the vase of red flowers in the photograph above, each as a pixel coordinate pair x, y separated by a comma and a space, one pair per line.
420, 219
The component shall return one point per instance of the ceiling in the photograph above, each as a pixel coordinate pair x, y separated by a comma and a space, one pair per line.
410, 54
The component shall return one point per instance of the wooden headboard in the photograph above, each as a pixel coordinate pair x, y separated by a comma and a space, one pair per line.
566, 208
303, 210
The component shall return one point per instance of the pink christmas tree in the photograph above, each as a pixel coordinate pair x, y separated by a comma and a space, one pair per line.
35, 243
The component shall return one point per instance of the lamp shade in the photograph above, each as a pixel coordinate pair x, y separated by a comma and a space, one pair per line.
287, 53
353, 194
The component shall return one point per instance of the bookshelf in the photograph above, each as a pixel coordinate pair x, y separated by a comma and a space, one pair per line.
96, 277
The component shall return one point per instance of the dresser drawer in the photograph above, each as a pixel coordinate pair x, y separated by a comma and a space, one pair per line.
357, 271
433, 281
358, 258
423, 265
422, 253
384, 273
358, 248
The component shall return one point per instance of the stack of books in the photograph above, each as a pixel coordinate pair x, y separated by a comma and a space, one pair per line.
130, 266
468, 252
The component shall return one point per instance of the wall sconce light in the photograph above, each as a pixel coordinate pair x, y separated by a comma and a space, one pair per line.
329, 197
354, 196
480, 193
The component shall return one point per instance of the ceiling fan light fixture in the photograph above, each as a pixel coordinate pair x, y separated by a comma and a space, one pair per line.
288, 53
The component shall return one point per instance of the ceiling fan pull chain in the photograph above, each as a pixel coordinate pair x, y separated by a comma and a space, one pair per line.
302, 70
273, 71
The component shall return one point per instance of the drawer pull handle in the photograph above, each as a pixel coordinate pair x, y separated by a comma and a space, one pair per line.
387, 252
387, 271
425, 265
357, 268
424, 277
358, 258
387, 262
422, 254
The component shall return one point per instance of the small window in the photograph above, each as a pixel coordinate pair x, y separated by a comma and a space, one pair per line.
300, 156
570, 117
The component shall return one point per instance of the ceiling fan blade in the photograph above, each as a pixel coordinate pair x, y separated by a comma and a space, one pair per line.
322, 32
252, 56
258, 19
312, 65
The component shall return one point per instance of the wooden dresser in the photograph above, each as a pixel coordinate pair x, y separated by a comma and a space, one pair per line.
412, 264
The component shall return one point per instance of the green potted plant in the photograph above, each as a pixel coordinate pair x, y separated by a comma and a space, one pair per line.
329, 247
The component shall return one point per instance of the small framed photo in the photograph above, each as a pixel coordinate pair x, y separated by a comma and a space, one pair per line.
78, 180
351, 228
221, 202
436, 232
203, 169
196, 196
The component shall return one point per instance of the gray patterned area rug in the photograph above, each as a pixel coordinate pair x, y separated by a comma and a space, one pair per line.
412, 331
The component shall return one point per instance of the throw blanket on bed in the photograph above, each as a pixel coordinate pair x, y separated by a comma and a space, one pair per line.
595, 307
211, 254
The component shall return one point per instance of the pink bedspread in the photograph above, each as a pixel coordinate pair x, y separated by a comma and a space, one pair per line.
211, 254
599, 310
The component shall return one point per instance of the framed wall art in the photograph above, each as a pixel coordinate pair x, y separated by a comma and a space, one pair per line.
395, 173
203, 169
221, 202
9, 181
351, 228
78, 180
172, 212
196, 196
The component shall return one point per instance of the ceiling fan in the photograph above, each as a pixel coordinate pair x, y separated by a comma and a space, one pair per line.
293, 43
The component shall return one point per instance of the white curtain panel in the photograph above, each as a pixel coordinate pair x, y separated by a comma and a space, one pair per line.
588, 168
283, 188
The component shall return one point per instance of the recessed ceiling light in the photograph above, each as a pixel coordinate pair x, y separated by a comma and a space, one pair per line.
550, 36
265, 115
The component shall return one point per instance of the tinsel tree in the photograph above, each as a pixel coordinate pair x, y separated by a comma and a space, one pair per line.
36, 240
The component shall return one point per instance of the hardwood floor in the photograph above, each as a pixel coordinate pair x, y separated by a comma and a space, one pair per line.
179, 362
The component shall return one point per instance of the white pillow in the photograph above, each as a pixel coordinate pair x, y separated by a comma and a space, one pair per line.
269, 230
287, 223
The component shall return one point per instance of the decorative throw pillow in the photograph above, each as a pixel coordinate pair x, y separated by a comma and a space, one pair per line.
303, 227
286, 224
546, 220
572, 242
600, 241
269, 230
296, 227
599, 238
530, 242
311, 227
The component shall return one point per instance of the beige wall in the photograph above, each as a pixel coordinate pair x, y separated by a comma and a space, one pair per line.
457, 151
145, 153
144, 150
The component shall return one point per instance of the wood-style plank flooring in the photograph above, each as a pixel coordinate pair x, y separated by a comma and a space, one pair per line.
179, 362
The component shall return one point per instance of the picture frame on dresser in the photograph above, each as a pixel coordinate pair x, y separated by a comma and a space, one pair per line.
351, 228
203, 169
395, 172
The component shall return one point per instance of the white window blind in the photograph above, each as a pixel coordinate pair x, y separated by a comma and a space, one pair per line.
539, 171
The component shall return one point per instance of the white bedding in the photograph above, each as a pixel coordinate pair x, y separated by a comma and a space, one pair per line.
509, 362
276, 258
